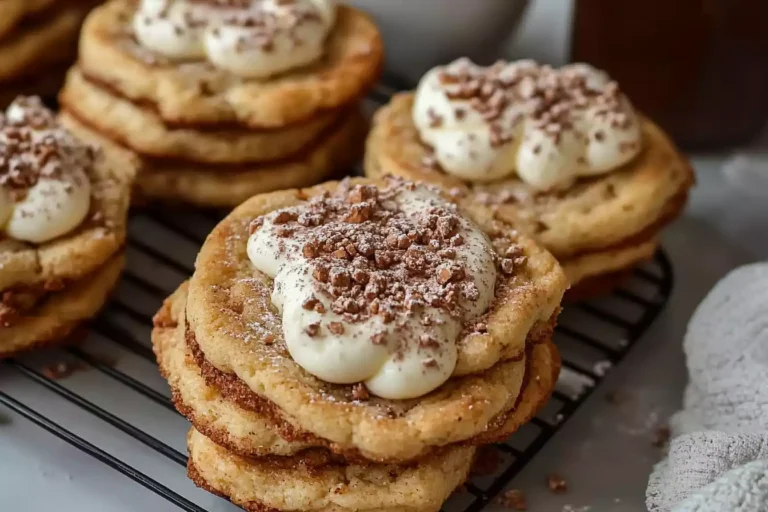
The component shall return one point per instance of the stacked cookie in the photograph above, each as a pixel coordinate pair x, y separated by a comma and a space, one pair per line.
38, 42
560, 153
223, 100
347, 346
63, 211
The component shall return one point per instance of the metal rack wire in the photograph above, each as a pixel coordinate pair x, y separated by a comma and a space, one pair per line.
592, 337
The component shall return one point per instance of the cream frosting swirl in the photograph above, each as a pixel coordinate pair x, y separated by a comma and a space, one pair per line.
375, 286
250, 38
45, 191
548, 126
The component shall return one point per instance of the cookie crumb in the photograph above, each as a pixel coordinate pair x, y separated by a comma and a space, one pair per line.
514, 499
557, 483
61, 370
662, 437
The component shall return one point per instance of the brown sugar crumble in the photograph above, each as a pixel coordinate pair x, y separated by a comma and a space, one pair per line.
62, 370
263, 25
368, 258
549, 97
513, 499
661, 438
33, 146
557, 483
359, 392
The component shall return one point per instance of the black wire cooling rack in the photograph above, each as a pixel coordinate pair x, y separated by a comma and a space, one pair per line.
592, 337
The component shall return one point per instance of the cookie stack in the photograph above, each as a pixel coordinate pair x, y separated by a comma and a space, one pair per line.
559, 153
347, 346
38, 42
223, 100
63, 208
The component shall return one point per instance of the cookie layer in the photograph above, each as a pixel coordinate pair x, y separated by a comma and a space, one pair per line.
196, 93
218, 186
139, 128
229, 413
251, 484
56, 317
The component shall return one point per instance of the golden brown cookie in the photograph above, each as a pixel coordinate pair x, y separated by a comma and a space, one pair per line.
257, 486
14, 12
49, 38
198, 94
599, 225
63, 206
226, 296
83, 251
141, 129
56, 314
241, 430
173, 180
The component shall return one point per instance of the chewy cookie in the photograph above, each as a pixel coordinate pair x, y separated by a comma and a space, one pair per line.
38, 41
559, 153
361, 328
63, 211
220, 101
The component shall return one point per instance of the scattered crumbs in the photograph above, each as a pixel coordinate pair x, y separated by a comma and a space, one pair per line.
513, 499
662, 436
574, 384
487, 461
62, 370
601, 368
559, 417
574, 508
557, 483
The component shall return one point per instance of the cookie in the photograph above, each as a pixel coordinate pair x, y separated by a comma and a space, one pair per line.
176, 180
82, 251
601, 221
57, 314
242, 429
196, 93
255, 485
63, 207
220, 317
49, 38
140, 128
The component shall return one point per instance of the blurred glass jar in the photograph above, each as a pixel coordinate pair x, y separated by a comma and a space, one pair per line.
697, 67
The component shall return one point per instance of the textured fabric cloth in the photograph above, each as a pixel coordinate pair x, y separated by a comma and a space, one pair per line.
718, 457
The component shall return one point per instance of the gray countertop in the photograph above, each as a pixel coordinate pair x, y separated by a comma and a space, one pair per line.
604, 452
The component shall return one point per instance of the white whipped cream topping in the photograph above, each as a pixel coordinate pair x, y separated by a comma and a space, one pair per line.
549, 126
256, 39
396, 368
45, 191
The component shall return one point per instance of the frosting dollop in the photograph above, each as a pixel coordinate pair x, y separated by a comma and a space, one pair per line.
549, 126
374, 285
250, 38
45, 191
